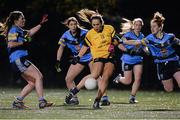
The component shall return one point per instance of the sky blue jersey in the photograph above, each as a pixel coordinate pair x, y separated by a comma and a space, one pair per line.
161, 49
16, 34
75, 43
132, 59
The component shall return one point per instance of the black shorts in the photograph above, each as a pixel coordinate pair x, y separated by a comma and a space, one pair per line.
166, 70
128, 67
104, 60
84, 63
20, 65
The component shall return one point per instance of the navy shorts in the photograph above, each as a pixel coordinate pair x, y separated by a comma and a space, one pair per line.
166, 70
20, 65
128, 67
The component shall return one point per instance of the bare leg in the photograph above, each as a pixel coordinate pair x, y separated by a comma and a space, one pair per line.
127, 79
73, 71
168, 85
137, 73
107, 72
177, 77
95, 74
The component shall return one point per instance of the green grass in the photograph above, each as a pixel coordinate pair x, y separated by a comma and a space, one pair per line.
152, 105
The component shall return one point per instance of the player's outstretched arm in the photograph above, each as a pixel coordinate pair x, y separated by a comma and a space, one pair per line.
35, 29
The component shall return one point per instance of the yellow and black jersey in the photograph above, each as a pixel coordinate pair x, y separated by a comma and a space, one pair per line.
99, 42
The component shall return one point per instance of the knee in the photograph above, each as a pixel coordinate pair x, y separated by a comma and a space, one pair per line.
127, 81
168, 89
95, 75
39, 77
68, 80
32, 84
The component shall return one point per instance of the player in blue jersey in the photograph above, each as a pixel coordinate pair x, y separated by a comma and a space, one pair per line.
161, 48
74, 40
131, 58
17, 39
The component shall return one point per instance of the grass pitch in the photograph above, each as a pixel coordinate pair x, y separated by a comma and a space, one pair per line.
152, 105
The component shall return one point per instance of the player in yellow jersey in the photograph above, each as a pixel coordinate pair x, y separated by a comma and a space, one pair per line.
99, 40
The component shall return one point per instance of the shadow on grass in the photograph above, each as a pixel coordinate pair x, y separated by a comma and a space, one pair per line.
65, 105
80, 108
75, 107
119, 103
160, 110
15, 109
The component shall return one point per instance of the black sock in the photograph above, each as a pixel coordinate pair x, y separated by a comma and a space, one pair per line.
97, 100
74, 91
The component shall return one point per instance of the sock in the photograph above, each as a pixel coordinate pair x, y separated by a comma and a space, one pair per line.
41, 98
132, 96
97, 100
19, 98
74, 91
105, 98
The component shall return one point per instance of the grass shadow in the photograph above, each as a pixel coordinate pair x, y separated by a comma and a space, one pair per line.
80, 108
65, 105
15, 109
120, 103
160, 110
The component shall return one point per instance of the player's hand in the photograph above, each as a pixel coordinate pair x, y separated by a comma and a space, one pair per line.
75, 60
44, 19
144, 42
131, 51
57, 66
146, 50
111, 48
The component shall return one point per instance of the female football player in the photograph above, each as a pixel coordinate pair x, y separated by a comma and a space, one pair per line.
99, 40
161, 48
74, 40
131, 58
17, 39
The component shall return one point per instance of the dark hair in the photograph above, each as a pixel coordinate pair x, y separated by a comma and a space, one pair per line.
159, 19
87, 15
10, 19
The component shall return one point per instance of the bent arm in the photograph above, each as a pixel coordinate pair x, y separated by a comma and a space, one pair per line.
14, 44
83, 50
132, 42
121, 47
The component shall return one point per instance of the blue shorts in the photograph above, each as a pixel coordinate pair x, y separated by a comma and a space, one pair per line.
128, 67
166, 70
20, 65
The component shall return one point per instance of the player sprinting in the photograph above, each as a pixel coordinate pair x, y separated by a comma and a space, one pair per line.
74, 40
17, 39
161, 48
132, 61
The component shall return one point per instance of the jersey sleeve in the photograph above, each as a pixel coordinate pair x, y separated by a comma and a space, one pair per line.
87, 41
12, 35
174, 40
113, 32
62, 40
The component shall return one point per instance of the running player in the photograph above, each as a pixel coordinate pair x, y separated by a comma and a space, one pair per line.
132, 62
160, 45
